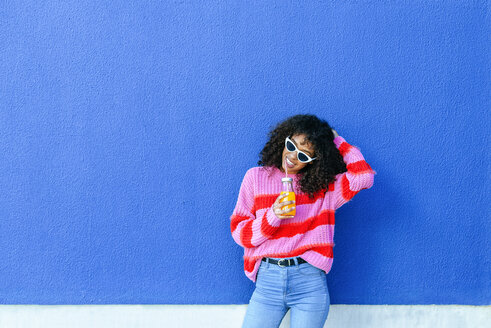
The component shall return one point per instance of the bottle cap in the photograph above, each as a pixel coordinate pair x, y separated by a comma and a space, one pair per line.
286, 179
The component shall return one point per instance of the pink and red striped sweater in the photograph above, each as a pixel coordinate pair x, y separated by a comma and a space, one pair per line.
310, 233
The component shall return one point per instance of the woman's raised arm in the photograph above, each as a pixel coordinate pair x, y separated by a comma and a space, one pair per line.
358, 177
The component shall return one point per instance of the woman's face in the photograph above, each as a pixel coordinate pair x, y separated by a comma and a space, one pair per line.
290, 159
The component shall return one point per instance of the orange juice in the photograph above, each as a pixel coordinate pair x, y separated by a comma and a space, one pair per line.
288, 190
290, 197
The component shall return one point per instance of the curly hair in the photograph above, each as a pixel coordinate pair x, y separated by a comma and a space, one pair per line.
328, 163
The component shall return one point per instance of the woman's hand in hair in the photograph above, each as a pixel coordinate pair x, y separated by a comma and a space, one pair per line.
335, 133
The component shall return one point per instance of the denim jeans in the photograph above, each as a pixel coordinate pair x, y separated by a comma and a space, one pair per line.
300, 287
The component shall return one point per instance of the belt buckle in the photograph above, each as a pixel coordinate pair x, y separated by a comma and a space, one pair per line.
279, 263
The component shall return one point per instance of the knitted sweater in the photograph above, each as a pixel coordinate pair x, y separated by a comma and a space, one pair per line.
310, 234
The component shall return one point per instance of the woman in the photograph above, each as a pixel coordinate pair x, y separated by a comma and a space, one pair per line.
288, 257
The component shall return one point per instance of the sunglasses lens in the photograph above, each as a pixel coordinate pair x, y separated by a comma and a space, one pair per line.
290, 146
302, 157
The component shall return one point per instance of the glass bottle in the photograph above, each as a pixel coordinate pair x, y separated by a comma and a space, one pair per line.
288, 189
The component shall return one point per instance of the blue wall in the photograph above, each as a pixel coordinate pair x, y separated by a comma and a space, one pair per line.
126, 129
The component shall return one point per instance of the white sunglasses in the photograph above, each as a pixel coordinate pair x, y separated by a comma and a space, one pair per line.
301, 156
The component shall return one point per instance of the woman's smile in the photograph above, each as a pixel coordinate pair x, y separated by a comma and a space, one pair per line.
289, 163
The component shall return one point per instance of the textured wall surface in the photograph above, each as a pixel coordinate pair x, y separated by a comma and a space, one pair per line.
126, 129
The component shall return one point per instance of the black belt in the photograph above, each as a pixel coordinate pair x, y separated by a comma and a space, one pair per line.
285, 262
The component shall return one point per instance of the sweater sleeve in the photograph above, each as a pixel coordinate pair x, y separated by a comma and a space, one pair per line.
248, 230
358, 177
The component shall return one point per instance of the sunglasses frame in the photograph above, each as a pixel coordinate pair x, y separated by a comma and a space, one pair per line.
310, 159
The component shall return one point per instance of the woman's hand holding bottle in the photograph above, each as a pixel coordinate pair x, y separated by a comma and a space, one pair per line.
279, 208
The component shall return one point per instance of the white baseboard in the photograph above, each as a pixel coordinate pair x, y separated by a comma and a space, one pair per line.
230, 316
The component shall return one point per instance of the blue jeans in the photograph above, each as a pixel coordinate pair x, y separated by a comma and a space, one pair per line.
301, 288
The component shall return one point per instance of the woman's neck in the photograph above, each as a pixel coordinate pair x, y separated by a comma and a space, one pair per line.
281, 171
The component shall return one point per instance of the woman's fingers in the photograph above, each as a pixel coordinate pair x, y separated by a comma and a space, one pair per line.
280, 197
280, 213
288, 210
283, 204
280, 203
